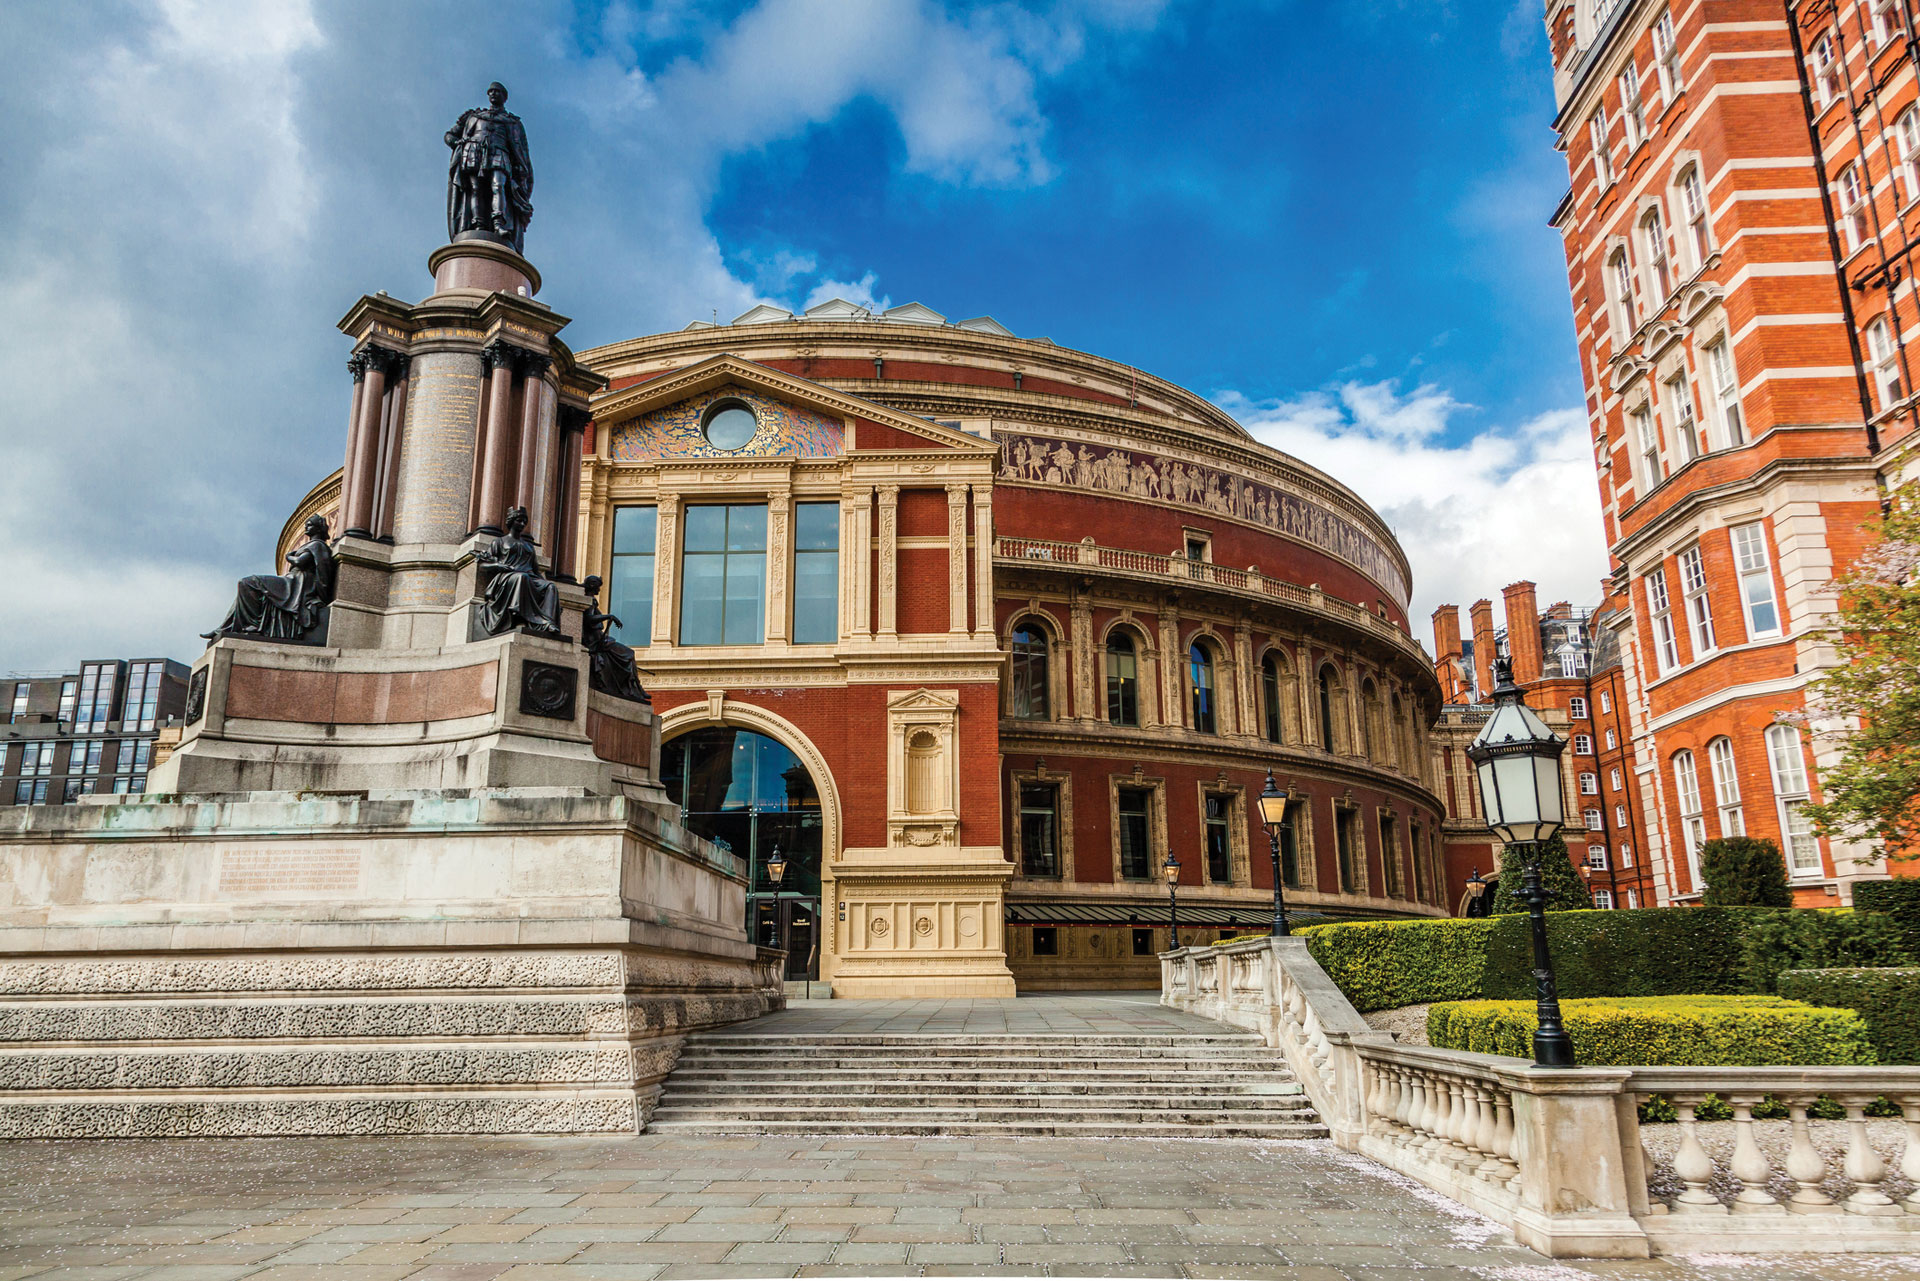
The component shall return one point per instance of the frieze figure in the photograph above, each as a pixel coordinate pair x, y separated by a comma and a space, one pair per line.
292, 607
517, 596
610, 669
490, 176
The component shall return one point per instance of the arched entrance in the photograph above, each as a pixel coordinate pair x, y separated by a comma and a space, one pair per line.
750, 793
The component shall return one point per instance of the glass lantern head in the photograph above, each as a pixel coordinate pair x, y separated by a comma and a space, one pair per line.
1273, 805
776, 866
1518, 761
1172, 869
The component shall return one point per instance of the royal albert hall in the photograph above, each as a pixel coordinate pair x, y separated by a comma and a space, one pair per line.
978, 632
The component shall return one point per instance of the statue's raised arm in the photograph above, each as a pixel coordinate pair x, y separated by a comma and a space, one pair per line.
490, 174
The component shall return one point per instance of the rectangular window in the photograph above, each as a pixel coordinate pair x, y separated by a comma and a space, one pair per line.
1606, 701
1653, 239
1577, 708
816, 573
1726, 394
1666, 58
1602, 152
1345, 839
1693, 207
1219, 838
1647, 438
1039, 829
1597, 857
1886, 21
1583, 745
83, 716
1596, 822
1136, 850
1693, 586
630, 589
1613, 740
1666, 646
1390, 857
1756, 580
1885, 356
1626, 856
1620, 815
1633, 109
1686, 437
1603, 899
1789, 771
1826, 71
1627, 315
1589, 785
1693, 827
723, 576
1633, 899
1613, 778
67, 689
1143, 943
1908, 131
1853, 207
23, 792
1123, 681
1046, 941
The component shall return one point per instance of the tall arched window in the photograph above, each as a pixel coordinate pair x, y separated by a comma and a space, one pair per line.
1620, 284
1200, 673
1369, 720
1123, 680
1270, 699
1653, 251
1693, 828
1790, 793
1029, 692
1326, 709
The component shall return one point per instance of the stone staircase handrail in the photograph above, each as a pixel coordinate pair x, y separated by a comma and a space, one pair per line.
1557, 1155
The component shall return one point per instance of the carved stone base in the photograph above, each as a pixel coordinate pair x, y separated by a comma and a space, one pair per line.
496, 963
919, 923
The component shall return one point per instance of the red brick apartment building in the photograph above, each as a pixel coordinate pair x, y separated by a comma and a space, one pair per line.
1739, 234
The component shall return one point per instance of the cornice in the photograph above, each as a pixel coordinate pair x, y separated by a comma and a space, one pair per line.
1779, 471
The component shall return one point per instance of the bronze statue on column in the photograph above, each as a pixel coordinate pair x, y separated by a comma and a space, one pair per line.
490, 176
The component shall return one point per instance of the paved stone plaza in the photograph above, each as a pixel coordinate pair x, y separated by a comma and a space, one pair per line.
632, 1209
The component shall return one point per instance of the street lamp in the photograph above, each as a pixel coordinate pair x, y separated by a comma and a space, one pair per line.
1476, 888
1518, 761
776, 868
1273, 812
1172, 869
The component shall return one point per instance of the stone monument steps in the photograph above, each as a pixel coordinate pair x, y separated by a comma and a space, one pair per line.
1150, 1085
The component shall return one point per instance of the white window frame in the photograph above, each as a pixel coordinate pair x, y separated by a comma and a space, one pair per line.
1613, 740
1589, 784
1826, 70
1726, 787
1646, 443
1666, 644
1693, 211
1906, 132
1633, 899
1626, 311
1606, 701
1602, 149
1693, 588
1853, 207
1686, 429
1613, 779
1885, 26
1603, 900
1626, 855
1653, 248
1597, 857
1620, 814
1577, 708
1725, 377
1884, 354
1666, 59
1583, 745
1787, 764
1596, 822
1693, 827
1754, 565
1633, 106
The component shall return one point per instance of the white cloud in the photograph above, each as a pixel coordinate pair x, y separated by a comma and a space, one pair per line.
859, 292
1472, 515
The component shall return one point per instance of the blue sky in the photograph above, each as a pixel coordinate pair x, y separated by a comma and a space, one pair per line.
1328, 218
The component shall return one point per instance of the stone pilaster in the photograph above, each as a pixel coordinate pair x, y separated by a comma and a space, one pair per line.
779, 566
666, 564
1080, 620
1172, 669
983, 623
889, 561
957, 560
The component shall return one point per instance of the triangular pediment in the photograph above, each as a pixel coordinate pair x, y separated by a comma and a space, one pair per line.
821, 420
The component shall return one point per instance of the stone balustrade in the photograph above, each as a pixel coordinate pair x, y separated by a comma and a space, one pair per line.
1559, 1156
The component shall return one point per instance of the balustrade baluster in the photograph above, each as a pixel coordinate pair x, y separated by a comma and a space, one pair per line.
1865, 1168
1694, 1167
1805, 1165
1503, 1138
1403, 1112
1910, 1159
1750, 1164
1421, 1110
1485, 1138
1460, 1122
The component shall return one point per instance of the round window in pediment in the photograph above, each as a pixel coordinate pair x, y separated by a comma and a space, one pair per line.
729, 425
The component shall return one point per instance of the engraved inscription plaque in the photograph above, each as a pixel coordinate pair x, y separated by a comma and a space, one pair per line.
290, 869
436, 448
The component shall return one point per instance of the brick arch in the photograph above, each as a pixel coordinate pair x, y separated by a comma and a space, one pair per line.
750, 716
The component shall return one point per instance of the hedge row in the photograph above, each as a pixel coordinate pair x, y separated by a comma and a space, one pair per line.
1649, 952
1708, 1031
1381, 965
1887, 999
1899, 899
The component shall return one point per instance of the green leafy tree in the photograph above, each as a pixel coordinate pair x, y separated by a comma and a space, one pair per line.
1566, 892
1868, 703
1744, 871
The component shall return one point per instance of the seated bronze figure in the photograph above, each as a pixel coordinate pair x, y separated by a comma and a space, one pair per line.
290, 607
611, 669
517, 597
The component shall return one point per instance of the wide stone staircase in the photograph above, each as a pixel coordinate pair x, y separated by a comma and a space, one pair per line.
1180, 1085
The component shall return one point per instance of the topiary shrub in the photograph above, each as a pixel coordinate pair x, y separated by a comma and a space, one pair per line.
1566, 892
1744, 871
1656, 951
1826, 938
1706, 1031
1888, 999
1899, 899
1381, 965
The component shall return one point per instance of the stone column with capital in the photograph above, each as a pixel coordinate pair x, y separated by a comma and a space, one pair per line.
495, 457
1080, 623
357, 482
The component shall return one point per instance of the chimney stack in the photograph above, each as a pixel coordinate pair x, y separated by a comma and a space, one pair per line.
1446, 653
1523, 632
1481, 611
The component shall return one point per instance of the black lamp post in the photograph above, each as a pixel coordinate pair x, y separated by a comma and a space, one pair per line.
1518, 760
776, 868
1476, 893
1172, 869
1273, 812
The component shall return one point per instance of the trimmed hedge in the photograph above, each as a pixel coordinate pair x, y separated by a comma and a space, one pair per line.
1659, 951
1899, 898
1825, 938
1382, 965
1712, 1031
1887, 999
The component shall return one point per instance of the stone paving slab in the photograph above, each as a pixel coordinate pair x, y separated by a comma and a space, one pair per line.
1104, 1014
659, 1207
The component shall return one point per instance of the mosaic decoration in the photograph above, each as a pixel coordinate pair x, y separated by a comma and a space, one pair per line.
1152, 477
674, 432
